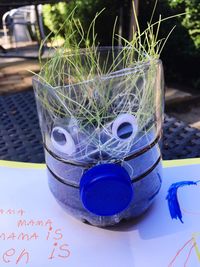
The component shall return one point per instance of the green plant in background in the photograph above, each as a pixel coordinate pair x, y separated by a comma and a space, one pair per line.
56, 14
181, 56
191, 20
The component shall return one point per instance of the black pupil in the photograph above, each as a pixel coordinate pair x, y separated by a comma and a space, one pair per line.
59, 137
125, 130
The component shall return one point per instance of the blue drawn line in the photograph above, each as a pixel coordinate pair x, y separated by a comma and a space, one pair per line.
173, 204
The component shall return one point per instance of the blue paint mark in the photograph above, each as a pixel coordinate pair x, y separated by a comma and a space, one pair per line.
173, 204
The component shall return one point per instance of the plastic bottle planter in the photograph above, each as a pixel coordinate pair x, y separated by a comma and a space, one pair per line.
111, 171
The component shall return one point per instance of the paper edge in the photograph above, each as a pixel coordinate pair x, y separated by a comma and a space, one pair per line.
166, 163
25, 165
180, 162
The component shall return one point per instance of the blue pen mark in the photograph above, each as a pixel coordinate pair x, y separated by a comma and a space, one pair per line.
173, 204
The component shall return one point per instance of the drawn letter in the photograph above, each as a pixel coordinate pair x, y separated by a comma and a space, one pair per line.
1, 211
7, 254
10, 212
3, 236
21, 212
52, 255
23, 236
66, 251
21, 223
47, 238
11, 236
34, 236
59, 234
48, 223
24, 253
39, 223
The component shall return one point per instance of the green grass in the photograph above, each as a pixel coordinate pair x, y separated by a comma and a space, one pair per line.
78, 82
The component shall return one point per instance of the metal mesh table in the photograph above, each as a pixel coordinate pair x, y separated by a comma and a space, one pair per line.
20, 137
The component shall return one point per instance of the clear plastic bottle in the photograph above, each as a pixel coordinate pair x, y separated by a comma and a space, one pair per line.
101, 141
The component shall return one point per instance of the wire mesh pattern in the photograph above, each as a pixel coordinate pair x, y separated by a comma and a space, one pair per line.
180, 140
20, 137
21, 140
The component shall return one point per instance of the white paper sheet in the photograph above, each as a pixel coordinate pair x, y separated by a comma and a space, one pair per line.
36, 232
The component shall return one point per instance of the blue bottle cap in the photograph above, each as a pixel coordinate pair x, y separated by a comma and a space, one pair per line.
106, 189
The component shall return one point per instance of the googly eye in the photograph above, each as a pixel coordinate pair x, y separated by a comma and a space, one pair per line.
124, 127
62, 141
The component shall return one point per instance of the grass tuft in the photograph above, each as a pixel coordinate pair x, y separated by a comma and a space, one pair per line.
94, 85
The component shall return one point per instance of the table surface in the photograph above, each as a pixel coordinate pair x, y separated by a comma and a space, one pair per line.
20, 137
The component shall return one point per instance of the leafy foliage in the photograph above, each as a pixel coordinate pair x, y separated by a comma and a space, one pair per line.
191, 20
56, 14
181, 55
